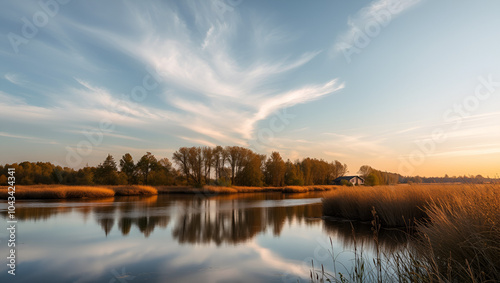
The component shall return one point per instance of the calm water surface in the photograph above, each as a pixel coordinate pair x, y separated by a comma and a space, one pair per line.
268, 237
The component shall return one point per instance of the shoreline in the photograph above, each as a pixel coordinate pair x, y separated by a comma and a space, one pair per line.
40, 192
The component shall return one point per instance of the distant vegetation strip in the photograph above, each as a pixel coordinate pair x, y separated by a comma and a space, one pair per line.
68, 192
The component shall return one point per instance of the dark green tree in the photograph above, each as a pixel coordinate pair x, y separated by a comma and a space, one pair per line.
145, 165
106, 173
128, 167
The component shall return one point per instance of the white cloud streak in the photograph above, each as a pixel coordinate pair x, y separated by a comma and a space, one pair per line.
378, 11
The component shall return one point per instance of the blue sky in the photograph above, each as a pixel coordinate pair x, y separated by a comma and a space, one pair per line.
404, 86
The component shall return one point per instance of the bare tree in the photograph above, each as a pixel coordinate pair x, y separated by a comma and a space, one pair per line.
208, 161
181, 157
195, 161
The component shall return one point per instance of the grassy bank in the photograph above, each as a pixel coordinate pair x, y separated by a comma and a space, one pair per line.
67, 192
134, 190
396, 206
73, 192
457, 228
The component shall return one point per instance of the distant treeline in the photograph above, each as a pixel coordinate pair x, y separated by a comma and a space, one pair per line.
478, 179
197, 166
374, 177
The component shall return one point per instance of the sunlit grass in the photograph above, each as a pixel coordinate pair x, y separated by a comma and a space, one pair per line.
462, 234
63, 192
397, 206
303, 189
69, 192
457, 229
58, 192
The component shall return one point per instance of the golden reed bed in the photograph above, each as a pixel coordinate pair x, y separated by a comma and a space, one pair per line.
67, 192
457, 226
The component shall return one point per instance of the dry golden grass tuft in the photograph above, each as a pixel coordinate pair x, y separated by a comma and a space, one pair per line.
462, 234
303, 189
397, 206
68, 192
58, 192
134, 190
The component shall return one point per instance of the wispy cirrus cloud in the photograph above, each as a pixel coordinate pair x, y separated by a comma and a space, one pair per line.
14, 78
378, 13
28, 138
211, 91
210, 86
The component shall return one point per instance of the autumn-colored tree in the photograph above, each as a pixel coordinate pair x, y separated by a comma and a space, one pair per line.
233, 154
250, 173
275, 170
293, 174
375, 177
163, 174
85, 176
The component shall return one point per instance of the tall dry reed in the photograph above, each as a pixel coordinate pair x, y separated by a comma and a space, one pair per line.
58, 192
457, 235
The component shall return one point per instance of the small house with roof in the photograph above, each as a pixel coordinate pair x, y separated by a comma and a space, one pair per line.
354, 180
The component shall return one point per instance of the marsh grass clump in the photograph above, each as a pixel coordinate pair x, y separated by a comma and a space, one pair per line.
134, 190
462, 234
397, 206
58, 192
456, 238
313, 188
76, 192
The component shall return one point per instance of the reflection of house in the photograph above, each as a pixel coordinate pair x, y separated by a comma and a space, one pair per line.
355, 180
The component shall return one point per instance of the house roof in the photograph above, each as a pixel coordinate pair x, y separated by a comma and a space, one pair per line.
347, 178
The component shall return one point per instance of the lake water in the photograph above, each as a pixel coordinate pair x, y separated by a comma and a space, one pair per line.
268, 237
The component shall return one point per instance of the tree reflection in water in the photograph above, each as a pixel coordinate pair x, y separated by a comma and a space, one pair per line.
224, 219
237, 220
